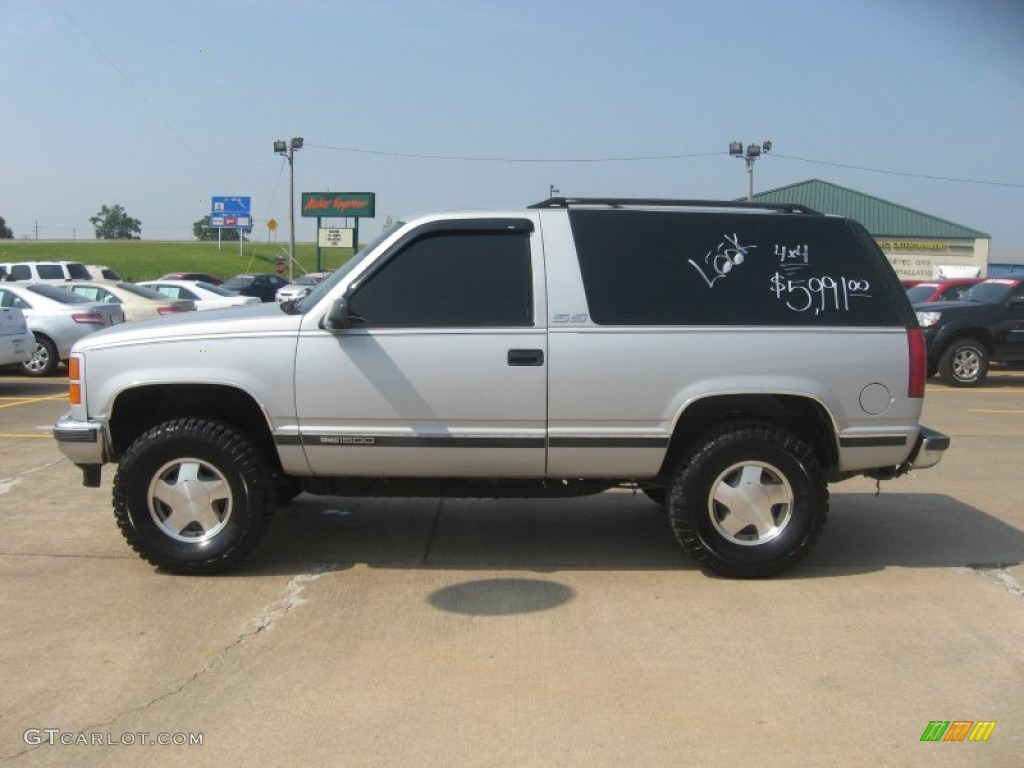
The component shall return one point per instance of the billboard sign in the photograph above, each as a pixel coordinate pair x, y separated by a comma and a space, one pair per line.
338, 204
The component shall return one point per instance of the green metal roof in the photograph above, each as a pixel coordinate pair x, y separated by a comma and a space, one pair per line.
880, 217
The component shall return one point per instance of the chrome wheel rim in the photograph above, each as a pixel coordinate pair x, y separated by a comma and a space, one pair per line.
190, 500
750, 503
966, 364
40, 359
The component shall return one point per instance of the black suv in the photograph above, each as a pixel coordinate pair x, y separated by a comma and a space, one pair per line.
985, 326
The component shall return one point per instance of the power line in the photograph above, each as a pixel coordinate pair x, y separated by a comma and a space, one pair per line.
480, 159
642, 158
902, 173
142, 96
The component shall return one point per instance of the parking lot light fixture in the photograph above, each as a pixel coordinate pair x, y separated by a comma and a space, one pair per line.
753, 152
287, 150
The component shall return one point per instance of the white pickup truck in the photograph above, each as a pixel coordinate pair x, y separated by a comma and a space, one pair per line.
729, 360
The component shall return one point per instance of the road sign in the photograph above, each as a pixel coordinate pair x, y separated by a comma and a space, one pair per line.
231, 212
336, 237
231, 222
272, 225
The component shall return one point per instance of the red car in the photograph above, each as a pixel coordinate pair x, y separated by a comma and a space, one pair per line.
941, 290
200, 276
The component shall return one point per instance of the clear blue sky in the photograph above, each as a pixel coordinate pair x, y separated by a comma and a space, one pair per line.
159, 106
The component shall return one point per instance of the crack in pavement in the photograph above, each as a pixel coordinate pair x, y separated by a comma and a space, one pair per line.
6, 483
271, 614
1002, 577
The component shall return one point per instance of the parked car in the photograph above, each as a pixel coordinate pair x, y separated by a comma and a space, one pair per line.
301, 287
941, 290
201, 276
46, 271
138, 303
101, 272
204, 295
985, 326
57, 319
16, 340
263, 286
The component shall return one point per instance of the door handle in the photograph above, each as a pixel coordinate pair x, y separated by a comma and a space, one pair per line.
526, 357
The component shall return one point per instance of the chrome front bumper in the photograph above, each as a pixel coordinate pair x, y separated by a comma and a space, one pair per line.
84, 442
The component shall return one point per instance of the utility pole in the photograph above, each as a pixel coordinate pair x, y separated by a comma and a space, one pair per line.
288, 150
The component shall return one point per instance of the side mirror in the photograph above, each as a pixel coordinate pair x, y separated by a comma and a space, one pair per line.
338, 319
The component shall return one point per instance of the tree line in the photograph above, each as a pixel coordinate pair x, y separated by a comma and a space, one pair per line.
113, 223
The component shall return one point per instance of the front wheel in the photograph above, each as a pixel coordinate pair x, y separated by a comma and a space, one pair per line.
45, 358
193, 496
749, 502
964, 364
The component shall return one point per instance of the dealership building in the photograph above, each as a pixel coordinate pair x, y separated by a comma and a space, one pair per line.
919, 246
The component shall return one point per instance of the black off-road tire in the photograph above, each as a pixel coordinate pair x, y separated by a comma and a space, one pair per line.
749, 501
964, 363
193, 496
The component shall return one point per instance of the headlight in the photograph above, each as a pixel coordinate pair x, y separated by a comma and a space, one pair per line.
928, 319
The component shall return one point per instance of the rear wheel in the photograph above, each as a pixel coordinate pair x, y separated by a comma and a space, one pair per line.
964, 363
193, 496
749, 502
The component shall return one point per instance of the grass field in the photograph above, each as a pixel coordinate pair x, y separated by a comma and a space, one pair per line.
144, 260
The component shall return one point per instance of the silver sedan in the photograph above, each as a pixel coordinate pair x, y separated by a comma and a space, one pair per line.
57, 319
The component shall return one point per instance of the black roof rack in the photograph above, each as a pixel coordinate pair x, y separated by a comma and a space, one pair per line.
625, 202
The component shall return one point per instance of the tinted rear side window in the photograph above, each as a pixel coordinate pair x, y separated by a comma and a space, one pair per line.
673, 268
50, 271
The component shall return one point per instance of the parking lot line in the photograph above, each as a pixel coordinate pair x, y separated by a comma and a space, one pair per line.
29, 400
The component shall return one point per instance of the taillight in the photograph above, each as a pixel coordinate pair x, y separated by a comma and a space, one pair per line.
169, 310
90, 318
918, 362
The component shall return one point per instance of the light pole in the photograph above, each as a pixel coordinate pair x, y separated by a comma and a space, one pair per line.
753, 152
287, 149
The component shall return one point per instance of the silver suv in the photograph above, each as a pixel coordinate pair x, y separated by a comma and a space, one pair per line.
728, 360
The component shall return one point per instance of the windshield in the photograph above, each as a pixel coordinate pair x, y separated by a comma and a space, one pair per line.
58, 294
989, 292
324, 286
921, 292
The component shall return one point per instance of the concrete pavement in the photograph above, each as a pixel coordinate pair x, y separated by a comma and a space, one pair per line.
368, 632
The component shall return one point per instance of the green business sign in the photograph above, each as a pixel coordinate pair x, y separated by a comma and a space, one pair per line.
338, 204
